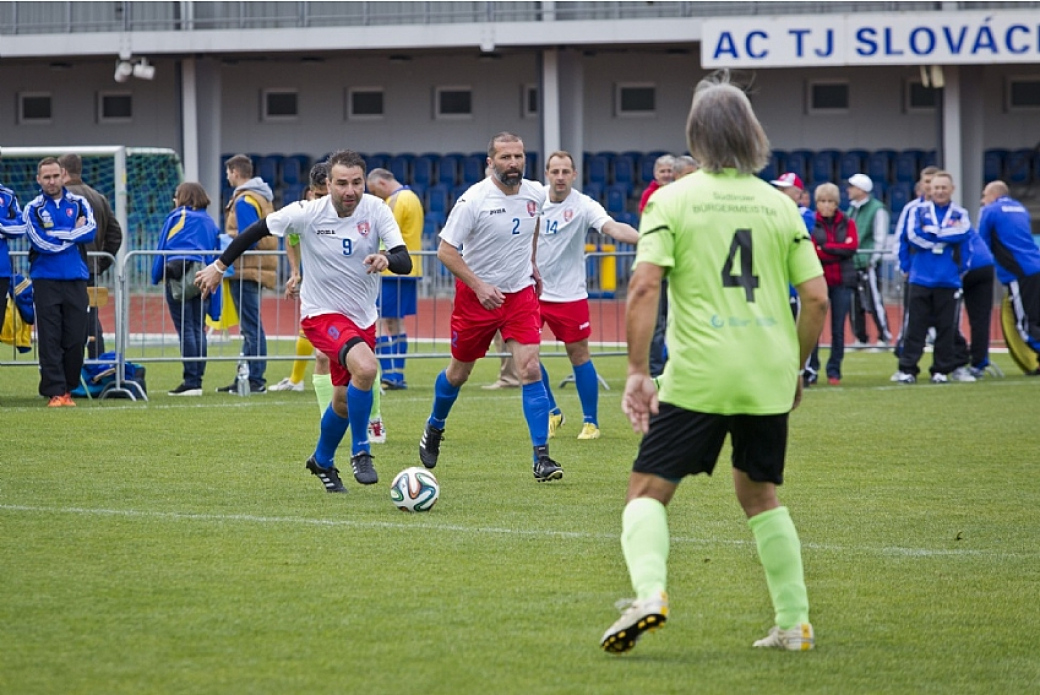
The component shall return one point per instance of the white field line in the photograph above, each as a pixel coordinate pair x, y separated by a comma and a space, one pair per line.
893, 551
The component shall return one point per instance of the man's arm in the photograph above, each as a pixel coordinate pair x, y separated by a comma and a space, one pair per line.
113, 239
813, 296
640, 398
292, 253
209, 278
490, 297
534, 259
625, 233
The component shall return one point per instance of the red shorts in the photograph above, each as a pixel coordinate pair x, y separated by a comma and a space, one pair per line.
473, 327
329, 333
568, 321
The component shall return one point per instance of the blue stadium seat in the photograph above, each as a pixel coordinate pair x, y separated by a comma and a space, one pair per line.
267, 168
438, 218
596, 170
594, 191
473, 168
429, 233
401, 167
457, 192
993, 164
929, 159
625, 171
294, 170
376, 161
448, 169
293, 192
532, 167
908, 166
797, 161
422, 169
438, 199
617, 198
1020, 166
899, 194
418, 189
824, 165
645, 166
851, 162
879, 165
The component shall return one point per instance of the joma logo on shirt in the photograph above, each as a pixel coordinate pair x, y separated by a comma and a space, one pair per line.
496, 212
326, 231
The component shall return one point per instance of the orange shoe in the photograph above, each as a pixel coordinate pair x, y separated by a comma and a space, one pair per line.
56, 402
67, 401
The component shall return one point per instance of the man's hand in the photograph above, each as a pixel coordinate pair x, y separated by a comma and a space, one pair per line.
376, 263
537, 281
80, 221
209, 278
490, 297
798, 394
292, 286
640, 401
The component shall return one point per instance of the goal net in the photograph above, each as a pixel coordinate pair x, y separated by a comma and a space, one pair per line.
139, 183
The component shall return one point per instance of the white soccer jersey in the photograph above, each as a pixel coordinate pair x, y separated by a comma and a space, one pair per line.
495, 232
333, 250
561, 245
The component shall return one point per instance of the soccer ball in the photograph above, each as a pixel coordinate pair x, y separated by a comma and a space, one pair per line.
414, 490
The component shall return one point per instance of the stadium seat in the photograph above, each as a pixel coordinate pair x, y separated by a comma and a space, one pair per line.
908, 166
293, 172
1020, 166
457, 192
422, 169
771, 170
797, 162
929, 159
823, 166
293, 192
617, 198
437, 218
473, 168
594, 191
851, 162
993, 164
879, 165
532, 167
645, 165
418, 189
596, 171
899, 194
437, 200
448, 169
624, 171
401, 167
267, 169
376, 161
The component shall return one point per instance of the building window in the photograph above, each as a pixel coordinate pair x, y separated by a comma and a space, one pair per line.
918, 97
453, 102
34, 107
115, 107
365, 103
1023, 93
635, 99
280, 105
529, 101
828, 97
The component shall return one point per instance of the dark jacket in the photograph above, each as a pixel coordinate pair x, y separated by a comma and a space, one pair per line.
836, 242
109, 236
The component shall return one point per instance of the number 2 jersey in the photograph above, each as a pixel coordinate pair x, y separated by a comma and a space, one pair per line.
333, 250
561, 245
730, 245
495, 231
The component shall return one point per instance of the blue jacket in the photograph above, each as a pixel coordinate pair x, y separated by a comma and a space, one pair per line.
189, 230
1005, 227
58, 251
931, 246
976, 254
11, 226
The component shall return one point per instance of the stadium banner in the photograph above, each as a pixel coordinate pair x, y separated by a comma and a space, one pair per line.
920, 38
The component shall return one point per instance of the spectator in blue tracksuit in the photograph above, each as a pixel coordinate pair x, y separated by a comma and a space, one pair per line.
977, 283
59, 225
1006, 228
11, 226
930, 250
190, 230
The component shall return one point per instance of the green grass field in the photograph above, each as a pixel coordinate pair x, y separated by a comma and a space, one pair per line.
179, 546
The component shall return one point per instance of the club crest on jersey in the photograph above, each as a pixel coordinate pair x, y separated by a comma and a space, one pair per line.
567, 215
363, 228
532, 208
333, 332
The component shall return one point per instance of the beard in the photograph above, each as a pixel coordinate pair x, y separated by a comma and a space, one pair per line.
510, 179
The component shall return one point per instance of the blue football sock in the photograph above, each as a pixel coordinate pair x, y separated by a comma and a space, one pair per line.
536, 412
400, 343
359, 408
587, 382
384, 351
333, 428
444, 395
548, 391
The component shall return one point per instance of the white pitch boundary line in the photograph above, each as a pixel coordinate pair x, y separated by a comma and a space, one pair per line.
487, 530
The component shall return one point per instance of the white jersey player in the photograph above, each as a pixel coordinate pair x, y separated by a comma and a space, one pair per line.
339, 242
567, 217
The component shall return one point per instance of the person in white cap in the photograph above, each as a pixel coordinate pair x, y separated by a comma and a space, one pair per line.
792, 186
872, 219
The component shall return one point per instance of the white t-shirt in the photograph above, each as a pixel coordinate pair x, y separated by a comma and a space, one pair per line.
561, 245
495, 232
333, 250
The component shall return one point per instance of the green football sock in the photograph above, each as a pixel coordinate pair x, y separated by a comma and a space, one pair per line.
377, 396
781, 554
644, 541
322, 390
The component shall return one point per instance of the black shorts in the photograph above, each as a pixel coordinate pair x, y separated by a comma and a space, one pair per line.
686, 442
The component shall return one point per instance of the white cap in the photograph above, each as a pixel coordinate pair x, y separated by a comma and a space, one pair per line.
862, 182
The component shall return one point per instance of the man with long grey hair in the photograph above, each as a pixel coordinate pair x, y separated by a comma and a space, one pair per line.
729, 245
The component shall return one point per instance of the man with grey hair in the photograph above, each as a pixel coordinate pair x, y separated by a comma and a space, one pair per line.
664, 174
684, 166
731, 245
